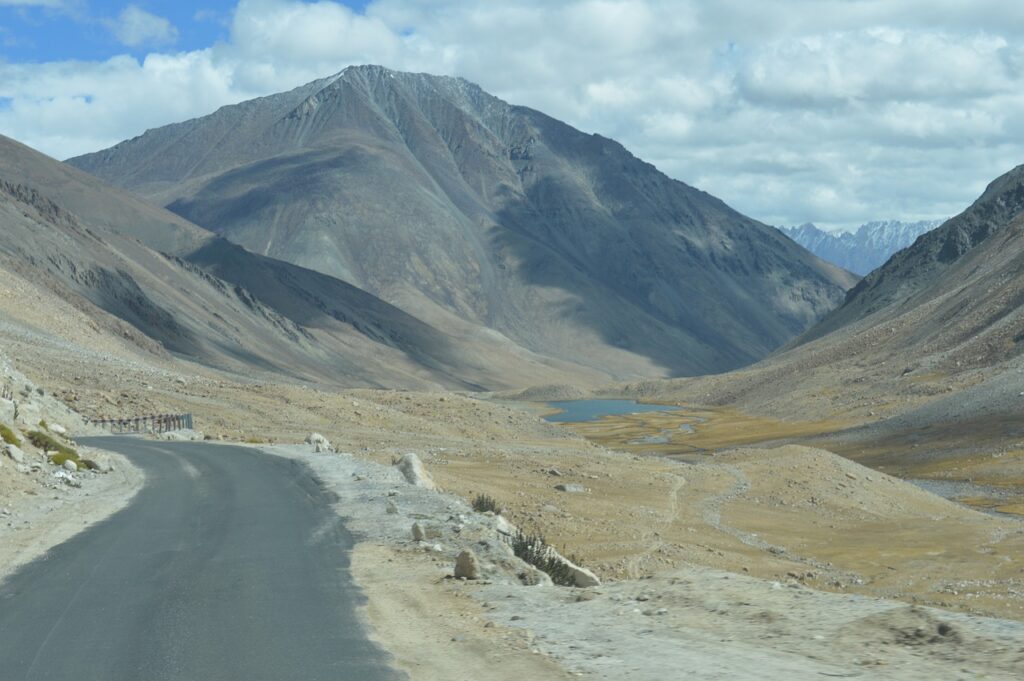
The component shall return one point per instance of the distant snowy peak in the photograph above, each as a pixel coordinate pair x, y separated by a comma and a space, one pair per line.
864, 250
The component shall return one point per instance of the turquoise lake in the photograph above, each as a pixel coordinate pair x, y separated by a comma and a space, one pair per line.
577, 411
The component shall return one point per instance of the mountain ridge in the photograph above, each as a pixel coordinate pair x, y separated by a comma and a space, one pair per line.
863, 250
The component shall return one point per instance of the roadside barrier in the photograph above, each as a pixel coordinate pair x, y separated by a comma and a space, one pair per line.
154, 423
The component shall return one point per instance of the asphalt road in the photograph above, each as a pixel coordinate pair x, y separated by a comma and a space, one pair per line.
228, 565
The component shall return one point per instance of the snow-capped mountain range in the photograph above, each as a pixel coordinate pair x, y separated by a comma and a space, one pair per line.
864, 250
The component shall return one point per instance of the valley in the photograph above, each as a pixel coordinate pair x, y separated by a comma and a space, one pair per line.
731, 441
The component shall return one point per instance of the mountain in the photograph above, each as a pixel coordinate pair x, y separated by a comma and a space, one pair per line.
971, 264
932, 342
468, 212
862, 251
172, 287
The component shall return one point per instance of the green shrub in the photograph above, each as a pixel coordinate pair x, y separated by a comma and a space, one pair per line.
44, 425
483, 503
57, 451
8, 436
532, 549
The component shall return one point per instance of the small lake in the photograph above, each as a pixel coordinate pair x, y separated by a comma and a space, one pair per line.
577, 411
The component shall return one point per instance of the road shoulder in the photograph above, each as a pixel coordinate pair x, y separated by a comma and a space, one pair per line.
39, 511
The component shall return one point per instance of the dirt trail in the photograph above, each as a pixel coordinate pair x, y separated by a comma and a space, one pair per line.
654, 536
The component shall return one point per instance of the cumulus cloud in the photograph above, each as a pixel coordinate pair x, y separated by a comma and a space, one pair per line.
829, 111
135, 27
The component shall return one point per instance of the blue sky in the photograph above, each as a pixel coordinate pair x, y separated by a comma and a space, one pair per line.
52, 30
836, 112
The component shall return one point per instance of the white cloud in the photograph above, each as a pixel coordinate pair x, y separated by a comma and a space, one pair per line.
791, 110
135, 27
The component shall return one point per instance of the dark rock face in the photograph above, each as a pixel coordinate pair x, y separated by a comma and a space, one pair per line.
466, 211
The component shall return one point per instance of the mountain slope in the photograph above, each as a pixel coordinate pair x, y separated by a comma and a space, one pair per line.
932, 340
864, 250
203, 298
459, 208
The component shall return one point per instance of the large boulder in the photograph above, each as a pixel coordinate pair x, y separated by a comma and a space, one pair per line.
414, 472
582, 576
467, 566
319, 442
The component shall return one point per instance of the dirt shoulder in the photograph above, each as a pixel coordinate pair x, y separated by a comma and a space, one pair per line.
699, 622
39, 511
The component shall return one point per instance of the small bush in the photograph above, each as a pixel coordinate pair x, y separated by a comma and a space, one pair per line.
483, 503
532, 549
8, 436
44, 425
57, 451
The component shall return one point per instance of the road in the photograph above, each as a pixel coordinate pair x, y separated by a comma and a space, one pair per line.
228, 565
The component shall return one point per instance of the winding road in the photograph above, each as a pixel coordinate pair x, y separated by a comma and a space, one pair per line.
228, 565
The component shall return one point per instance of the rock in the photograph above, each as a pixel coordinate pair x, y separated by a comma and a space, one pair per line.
391, 509
417, 532
22, 468
570, 487
582, 576
16, 454
70, 465
414, 472
504, 527
58, 429
467, 566
319, 442
67, 479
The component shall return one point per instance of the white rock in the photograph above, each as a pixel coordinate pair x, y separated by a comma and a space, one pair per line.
504, 527
417, 532
582, 576
414, 472
391, 508
70, 465
571, 487
16, 454
58, 429
319, 442
467, 566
